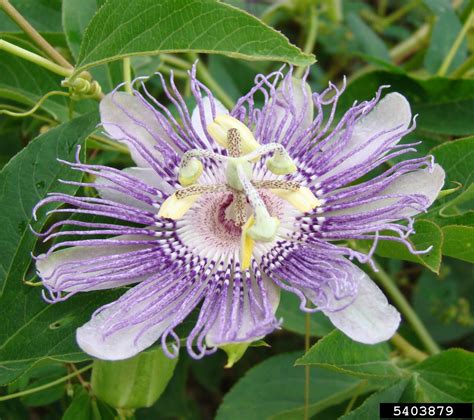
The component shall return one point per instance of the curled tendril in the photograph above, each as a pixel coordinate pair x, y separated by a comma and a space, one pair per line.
37, 105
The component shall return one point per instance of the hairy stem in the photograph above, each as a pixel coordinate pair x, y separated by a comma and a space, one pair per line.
175, 61
33, 34
45, 386
407, 349
407, 311
310, 38
456, 44
307, 372
34, 58
464, 68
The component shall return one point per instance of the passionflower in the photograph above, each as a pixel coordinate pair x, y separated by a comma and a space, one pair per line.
227, 207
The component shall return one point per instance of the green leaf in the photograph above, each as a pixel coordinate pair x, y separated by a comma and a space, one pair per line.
174, 402
445, 31
456, 159
427, 234
339, 353
444, 105
31, 329
43, 375
43, 15
133, 383
275, 387
367, 40
85, 407
75, 20
444, 302
117, 31
369, 409
447, 377
459, 242
294, 319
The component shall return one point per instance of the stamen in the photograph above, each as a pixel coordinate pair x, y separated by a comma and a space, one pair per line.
199, 189
176, 205
277, 184
219, 130
234, 142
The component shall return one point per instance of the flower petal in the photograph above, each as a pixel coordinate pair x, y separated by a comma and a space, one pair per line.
390, 116
146, 175
127, 119
202, 117
86, 268
340, 289
421, 182
137, 320
245, 313
369, 318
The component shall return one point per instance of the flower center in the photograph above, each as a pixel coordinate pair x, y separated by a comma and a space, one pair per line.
243, 209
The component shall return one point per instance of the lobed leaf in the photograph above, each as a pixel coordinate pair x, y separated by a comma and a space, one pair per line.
32, 329
117, 30
275, 387
341, 354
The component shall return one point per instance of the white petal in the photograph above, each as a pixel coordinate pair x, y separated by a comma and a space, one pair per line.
208, 118
216, 335
122, 344
47, 266
124, 116
393, 111
418, 182
146, 175
369, 318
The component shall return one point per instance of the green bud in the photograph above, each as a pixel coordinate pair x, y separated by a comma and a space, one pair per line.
132, 383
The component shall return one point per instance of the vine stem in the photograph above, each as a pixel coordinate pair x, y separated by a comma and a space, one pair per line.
127, 75
45, 386
456, 44
175, 61
34, 58
463, 68
407, 349
310, 39
16, 16
307, 372
405, 308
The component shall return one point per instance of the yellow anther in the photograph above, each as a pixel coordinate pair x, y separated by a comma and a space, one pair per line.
190, 173
302, 199
219, 128
175, 208
246, 245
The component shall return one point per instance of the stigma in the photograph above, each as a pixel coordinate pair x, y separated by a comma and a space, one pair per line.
248, 210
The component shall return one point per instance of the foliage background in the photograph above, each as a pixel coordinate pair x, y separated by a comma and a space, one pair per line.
423, 49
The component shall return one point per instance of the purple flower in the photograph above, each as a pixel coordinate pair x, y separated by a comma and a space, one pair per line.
220, 217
